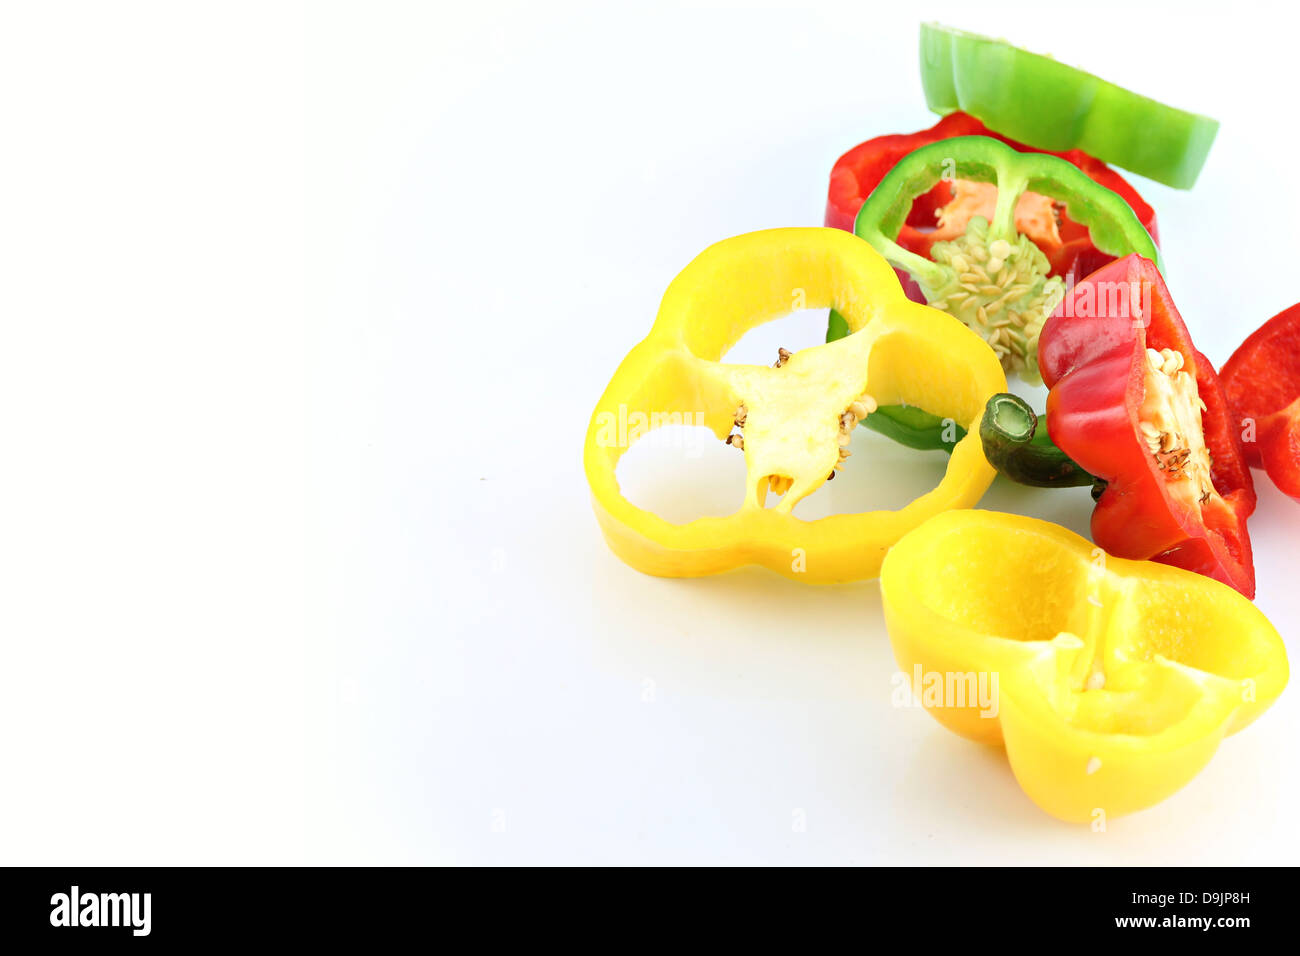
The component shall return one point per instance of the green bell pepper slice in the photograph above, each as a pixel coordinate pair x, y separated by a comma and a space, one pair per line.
1049, 105
993, 278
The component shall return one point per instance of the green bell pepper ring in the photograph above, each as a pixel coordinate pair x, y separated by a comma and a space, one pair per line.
993, 278
1050, 105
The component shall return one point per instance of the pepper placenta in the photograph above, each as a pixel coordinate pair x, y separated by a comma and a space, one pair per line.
1262, 385
993, 277
792, 422
1043, 102
1110, 682
941, 213
1134, 403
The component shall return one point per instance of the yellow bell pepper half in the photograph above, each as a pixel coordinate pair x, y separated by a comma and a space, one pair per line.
794, 417
1115, 679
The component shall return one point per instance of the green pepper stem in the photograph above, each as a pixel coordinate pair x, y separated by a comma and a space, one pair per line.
1017, 448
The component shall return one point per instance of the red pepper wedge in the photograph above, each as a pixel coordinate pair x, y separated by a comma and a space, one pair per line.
861, 169
1262, 385
1124, 380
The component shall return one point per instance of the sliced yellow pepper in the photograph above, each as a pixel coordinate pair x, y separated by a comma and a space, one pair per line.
1115, 680
793, 415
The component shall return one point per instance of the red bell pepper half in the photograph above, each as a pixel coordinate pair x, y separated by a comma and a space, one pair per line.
1133, 402
1262, 384
861, 169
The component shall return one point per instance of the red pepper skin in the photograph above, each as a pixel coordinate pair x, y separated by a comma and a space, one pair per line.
1262, 385
1092, 354
861, 169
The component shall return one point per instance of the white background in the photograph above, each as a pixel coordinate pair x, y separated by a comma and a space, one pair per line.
304, 313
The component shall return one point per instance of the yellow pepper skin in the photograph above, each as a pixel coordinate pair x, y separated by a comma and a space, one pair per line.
898, 352
1116, 679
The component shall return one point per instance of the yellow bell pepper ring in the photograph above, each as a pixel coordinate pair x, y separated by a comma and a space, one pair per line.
1110, 682
792, 421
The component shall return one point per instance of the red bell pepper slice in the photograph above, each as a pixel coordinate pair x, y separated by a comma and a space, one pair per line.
1178, 488
861, 169
1262, 384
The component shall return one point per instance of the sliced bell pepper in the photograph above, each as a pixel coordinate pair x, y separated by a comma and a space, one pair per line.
993, 277
1262, 385
795, 419
1045, 103
1110, 682
1135, 404
1066, 243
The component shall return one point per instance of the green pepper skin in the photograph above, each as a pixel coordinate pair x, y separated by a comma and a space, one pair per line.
915, 428
1050, 105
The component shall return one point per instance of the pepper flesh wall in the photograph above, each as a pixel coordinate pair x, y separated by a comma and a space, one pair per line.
791, 421
1117, 679
1262, 384
1134, 403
